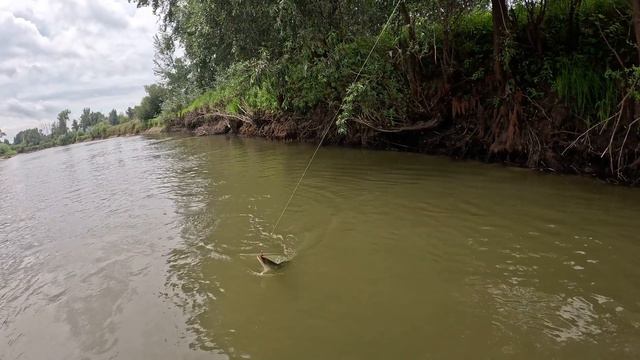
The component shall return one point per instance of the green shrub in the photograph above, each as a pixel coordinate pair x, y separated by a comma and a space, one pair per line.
6, 150
245, 86
66, 139
99, 131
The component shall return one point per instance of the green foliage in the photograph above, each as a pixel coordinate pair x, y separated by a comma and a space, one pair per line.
6, 150
66, 139
151, 105
90, 118
296, 56
85, 119
113, 117
61, 126
29, 137
81, 136
380, 95
130, 113
34, 139
126, 128
590, 93
245, 86
99, 131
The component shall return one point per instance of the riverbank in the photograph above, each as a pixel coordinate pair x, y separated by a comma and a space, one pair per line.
549, 140
554, 86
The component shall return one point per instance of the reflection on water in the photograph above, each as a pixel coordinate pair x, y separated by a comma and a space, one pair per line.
139, 248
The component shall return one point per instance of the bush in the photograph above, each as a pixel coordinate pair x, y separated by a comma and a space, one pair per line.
6, 150
245, 86
82, 136
66, 139
99, 131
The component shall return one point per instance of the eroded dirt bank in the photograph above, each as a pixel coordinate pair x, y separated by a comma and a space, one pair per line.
550, 139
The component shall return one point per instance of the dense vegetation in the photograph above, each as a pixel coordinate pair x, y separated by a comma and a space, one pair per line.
549, 84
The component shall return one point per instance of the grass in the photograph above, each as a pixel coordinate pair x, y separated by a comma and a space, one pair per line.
126, 128
243, 87
587, 91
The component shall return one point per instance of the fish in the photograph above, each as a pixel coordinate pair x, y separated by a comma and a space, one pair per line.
273, 264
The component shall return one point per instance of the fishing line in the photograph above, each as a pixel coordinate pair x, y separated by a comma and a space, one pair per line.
326, 131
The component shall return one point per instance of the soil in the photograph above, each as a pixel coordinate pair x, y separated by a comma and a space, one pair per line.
542, 136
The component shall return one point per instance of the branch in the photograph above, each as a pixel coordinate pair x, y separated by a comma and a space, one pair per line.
582, 135
226, 115
617, 113
538, 106
421, 125
624, 142
610, 47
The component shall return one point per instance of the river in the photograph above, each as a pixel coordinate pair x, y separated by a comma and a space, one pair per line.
136, 248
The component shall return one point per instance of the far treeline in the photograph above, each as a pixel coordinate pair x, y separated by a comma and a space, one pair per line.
90, 126
539, 83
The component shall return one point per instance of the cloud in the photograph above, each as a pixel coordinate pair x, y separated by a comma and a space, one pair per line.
108, 14
71, 54
20, 37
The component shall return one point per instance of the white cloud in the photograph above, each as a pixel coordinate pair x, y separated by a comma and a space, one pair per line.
71, 54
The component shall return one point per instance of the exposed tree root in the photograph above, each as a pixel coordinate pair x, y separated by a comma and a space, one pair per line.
543, 136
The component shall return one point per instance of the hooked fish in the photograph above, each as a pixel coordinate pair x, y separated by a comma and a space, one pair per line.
275, 263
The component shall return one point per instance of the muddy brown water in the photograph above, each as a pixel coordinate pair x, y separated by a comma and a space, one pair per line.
137, 248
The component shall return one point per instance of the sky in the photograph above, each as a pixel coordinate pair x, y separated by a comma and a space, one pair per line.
71, 54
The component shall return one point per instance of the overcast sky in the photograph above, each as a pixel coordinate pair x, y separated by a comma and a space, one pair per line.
57, 54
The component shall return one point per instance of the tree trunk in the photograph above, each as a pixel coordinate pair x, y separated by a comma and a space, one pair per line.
536, 11
635, 5
414, 72
573, 32
499, 13
445, 62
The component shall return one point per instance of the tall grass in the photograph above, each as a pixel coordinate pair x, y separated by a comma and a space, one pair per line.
127, 128
245, 86
590, 93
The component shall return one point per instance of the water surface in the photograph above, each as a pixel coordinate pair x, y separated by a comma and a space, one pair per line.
145, 248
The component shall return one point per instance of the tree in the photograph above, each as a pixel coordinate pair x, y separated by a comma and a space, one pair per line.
96, 117
500, 18
151, 105
130, 113
175, 72
75, 126
54, 129
61, 127
29, 137
90, 118
2, 134
113, 117
536, 11
85, 119
573, 31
